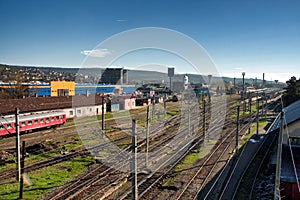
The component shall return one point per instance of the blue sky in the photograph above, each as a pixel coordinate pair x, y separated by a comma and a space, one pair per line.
251, 36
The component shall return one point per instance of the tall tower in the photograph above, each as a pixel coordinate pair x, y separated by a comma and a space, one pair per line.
185, 82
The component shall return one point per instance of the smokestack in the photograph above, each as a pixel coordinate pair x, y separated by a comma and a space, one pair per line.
209, 79
234, 81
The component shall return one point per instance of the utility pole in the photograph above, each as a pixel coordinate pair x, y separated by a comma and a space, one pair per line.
103, 112
147, 137
266, 107
243, 74
257, 115
153, 108
204, 120
134, 185
250, 105
18, 151
165, 107
250, 110
237, 129
279, 152
22, 171
189, 117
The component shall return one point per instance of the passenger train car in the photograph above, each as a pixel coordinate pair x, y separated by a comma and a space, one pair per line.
31, 122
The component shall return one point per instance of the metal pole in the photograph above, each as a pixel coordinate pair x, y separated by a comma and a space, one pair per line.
18, 145
22, 171
279, 153
257, 116
237, 129
153, 107
147, 137
204, 120
266, 106
165, 107
250, 105
103, 113
243, 74
134, 162
189, 117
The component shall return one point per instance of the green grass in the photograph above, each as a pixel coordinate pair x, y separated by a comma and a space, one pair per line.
106, 116
193, 157
46, 179
115, 136
72, 146
38, 157
190, 159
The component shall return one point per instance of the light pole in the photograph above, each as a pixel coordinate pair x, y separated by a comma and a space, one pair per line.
243, 85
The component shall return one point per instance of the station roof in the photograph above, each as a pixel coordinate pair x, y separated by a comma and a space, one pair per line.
32, 104
291, 114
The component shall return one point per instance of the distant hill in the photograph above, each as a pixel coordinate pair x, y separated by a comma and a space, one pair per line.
134, 76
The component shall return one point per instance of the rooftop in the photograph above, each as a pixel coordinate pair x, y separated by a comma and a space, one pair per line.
291, 114
32, 104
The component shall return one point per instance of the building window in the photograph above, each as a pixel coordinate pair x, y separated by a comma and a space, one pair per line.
78, 111
71, 113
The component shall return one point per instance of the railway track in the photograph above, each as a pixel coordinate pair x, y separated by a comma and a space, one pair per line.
57, 159
218, 187
82, 186
68, 131
203, 169
88, 185
153, 179
153, 159
245, 187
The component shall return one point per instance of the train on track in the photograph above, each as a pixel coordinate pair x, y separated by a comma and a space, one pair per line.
31, 122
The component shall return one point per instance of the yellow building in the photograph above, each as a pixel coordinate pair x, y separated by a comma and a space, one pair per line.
62, 88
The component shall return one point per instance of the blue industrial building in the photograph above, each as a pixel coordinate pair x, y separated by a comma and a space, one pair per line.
41, 90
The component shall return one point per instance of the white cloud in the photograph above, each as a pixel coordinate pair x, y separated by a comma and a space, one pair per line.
121, 20
97, 53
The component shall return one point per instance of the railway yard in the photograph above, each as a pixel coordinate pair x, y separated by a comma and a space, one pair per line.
192, 147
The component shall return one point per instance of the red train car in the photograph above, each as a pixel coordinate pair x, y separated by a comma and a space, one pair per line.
31, 122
